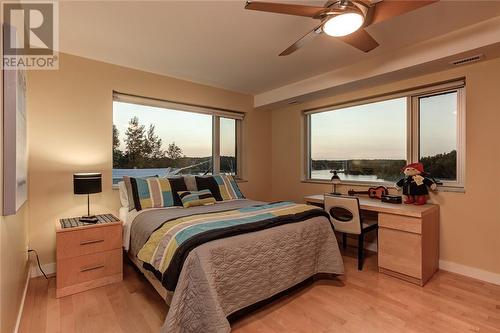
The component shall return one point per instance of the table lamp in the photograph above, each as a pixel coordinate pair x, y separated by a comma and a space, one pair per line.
87, 183
335, 181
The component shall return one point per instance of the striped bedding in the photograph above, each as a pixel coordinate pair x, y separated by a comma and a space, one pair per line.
167, 248
196, 198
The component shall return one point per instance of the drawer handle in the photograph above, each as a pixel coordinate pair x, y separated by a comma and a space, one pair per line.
86, 269
87, 242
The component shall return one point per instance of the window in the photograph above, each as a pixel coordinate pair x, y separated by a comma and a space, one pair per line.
363, 142
369, 142
228, 160
158, 138
438, 135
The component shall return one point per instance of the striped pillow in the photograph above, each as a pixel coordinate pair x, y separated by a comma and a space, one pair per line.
127, 180
223, 187
130, 193
196, 198
156, 192
228, 188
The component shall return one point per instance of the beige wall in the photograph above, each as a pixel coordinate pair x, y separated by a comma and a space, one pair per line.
70, 117
470, 221
13, 266
70, 129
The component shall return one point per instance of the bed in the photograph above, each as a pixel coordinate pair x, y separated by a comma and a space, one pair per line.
214, 276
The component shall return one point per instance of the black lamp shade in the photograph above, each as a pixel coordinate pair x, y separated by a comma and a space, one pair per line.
87, 183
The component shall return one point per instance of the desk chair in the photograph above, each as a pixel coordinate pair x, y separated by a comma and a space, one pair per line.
346, 217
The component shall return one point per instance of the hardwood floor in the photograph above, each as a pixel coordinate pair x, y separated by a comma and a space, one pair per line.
357, 302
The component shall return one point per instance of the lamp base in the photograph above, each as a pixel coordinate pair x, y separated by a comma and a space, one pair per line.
89, 219
335, 193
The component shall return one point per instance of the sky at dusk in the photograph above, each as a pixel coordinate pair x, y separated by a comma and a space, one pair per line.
192, 132
438, 124
378, 130
371, 131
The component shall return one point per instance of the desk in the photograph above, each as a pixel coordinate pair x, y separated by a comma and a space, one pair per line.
408, 238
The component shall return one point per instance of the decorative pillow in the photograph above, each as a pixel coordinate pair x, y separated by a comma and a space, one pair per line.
130, 192
223, 187
190, 181
196, 198
177, 185
228, 187
122, 190
209, 183
155, 192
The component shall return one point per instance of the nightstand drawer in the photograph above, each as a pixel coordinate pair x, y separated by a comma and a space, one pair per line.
88, 240
72, 271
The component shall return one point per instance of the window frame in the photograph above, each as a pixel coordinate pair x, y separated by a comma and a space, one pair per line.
215, 113
412, 130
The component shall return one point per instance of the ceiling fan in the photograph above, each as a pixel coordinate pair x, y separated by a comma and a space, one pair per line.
343, 19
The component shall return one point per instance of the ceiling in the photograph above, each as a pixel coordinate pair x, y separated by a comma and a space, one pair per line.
221, 44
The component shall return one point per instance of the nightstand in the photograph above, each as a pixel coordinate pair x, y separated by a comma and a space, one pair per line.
88, 255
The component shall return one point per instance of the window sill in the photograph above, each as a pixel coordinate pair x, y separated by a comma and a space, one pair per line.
351, 183
391, 186
456, 189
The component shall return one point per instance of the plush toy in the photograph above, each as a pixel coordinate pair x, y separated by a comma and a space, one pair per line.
415, 184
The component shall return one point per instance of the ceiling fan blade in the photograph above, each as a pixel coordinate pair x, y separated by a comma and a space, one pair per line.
303, 40
284, 8
366, 3
361, 40
387, 9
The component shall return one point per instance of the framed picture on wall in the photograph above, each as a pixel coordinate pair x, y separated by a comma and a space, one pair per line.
15, 159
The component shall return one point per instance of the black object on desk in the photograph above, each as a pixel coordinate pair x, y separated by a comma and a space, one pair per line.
394, 199
77, 222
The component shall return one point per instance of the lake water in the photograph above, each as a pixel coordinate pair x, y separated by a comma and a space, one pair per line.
162, 172
325, 174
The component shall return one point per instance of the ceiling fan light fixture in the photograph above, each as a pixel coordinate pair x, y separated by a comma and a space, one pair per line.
343, 24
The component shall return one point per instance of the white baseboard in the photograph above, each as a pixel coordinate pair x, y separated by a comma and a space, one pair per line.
449, 266
471, 272
49, 268
23, 299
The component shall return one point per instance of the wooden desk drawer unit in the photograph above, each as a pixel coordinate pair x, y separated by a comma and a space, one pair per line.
408, 247
408, 238
88, 257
